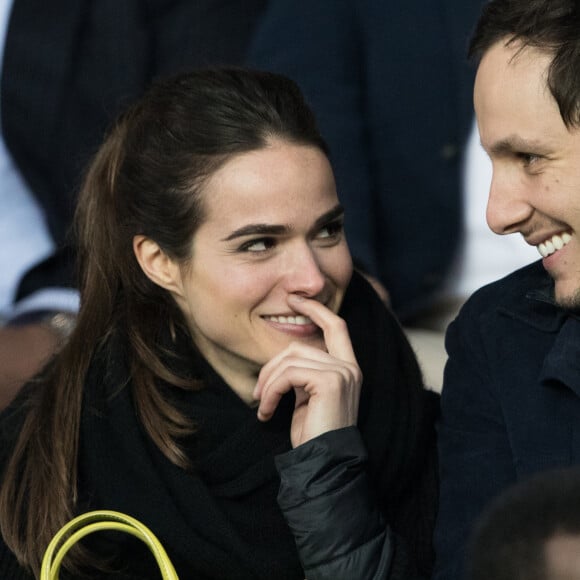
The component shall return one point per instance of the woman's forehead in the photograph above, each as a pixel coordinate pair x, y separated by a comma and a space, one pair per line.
273, 183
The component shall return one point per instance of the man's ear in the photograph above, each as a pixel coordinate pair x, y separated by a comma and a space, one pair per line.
157, 265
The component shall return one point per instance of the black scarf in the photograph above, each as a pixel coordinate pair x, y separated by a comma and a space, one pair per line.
221, 520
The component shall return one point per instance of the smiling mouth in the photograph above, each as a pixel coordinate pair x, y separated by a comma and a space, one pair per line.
297, 320
553, 244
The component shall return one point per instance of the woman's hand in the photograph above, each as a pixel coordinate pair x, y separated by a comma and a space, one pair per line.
327, 384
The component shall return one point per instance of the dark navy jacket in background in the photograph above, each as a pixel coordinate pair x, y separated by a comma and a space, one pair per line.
391, 88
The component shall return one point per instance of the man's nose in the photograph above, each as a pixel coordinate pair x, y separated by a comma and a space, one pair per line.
507, 207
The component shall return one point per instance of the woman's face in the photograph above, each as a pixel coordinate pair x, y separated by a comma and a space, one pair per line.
273, 227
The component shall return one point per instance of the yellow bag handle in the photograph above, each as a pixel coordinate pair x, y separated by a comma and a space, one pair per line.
96, 521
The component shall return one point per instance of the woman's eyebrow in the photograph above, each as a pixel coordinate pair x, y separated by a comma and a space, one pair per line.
277, 230
253, 229
336, 212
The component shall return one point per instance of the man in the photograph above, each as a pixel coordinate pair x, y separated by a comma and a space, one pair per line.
531, 531
511, 395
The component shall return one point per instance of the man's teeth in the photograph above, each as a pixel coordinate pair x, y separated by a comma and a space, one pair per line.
298, 320
553, 244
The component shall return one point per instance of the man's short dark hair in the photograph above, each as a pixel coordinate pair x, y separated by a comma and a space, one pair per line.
509, 540
552, 26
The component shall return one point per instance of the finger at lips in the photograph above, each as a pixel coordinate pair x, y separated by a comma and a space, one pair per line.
333, 327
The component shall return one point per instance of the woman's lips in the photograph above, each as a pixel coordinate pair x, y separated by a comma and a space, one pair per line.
298, 320
296, 325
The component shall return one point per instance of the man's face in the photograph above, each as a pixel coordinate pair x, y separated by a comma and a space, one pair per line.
535, 188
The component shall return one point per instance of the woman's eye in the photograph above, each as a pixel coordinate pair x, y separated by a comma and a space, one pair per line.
260, 245
330, 230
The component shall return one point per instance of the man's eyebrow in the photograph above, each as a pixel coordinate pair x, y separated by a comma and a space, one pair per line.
515, 144
278, 230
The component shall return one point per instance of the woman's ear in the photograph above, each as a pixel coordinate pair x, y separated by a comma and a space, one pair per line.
157, 265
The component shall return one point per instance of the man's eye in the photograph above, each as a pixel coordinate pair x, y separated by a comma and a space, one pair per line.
330, 230
260, 245
528, 158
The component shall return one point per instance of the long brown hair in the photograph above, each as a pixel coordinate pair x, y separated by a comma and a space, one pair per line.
146, 179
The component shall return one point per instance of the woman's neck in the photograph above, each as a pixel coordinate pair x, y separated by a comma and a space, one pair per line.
239, 374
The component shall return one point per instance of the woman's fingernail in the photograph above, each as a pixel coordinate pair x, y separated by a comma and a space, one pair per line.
296, 298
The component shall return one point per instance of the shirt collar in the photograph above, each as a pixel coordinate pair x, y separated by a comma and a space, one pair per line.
531, 300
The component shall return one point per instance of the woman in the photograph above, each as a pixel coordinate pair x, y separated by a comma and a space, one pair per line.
208, 346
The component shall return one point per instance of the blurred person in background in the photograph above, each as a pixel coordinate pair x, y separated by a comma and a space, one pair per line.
531, 531
68, 67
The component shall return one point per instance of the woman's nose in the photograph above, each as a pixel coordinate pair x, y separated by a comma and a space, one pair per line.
303, 274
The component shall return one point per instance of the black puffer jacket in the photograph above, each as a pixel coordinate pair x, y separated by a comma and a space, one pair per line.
339, 531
